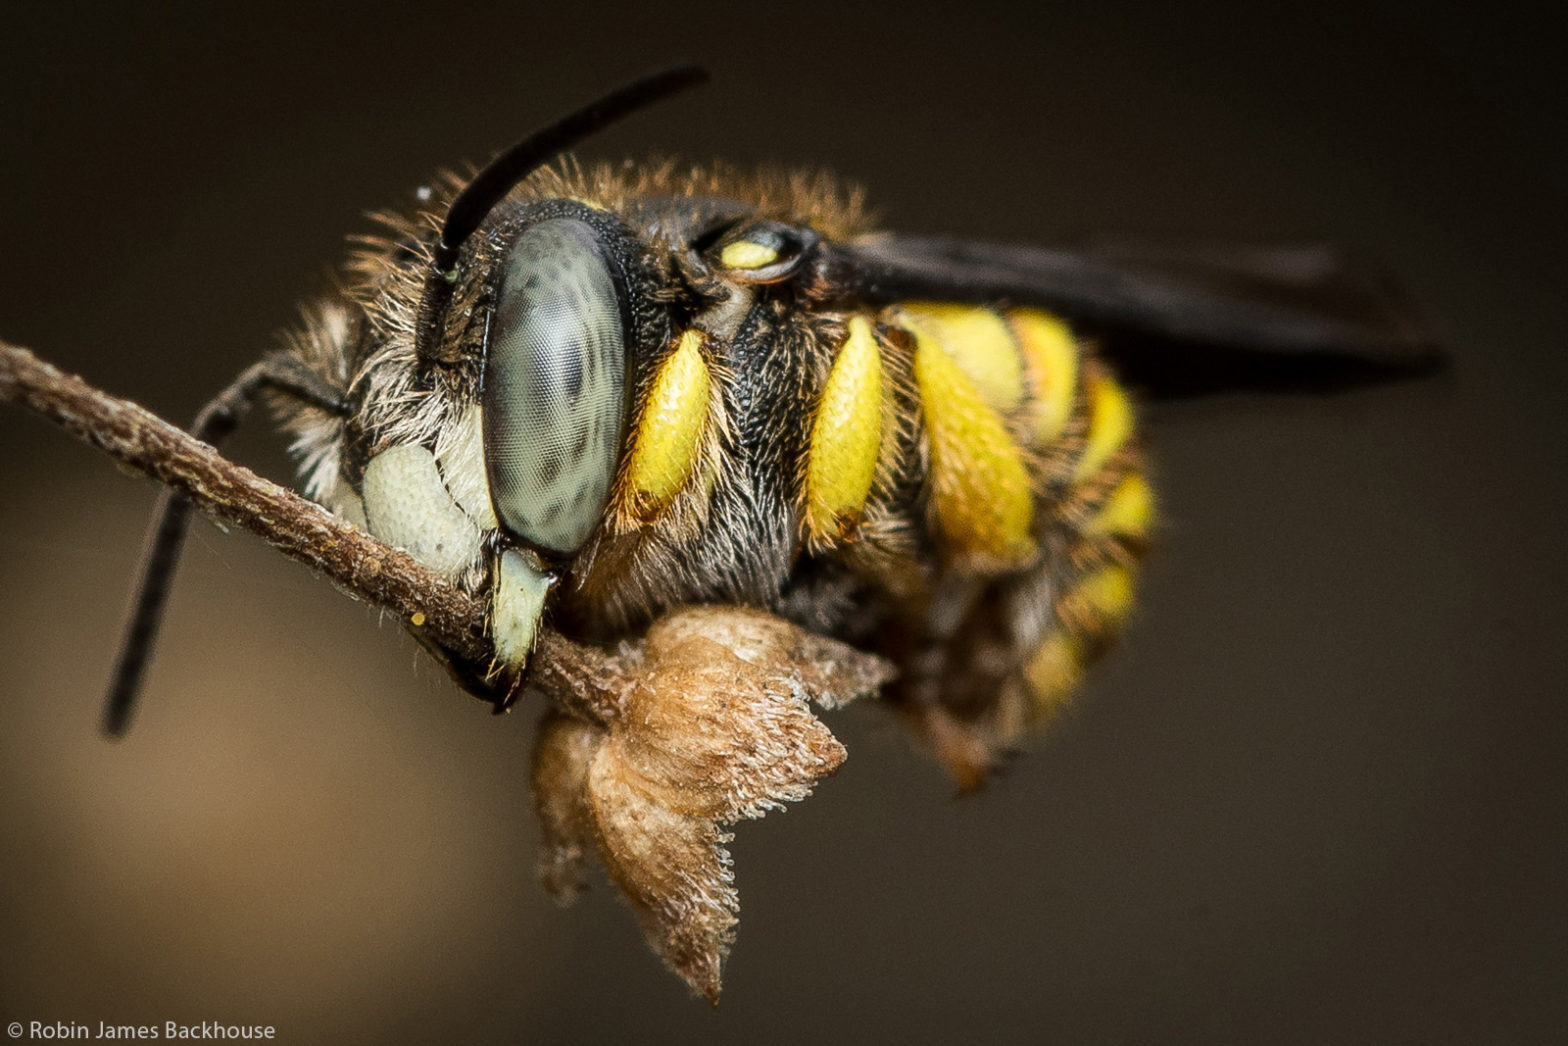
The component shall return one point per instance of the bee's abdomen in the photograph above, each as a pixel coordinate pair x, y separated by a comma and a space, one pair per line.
1020, 474
993, 429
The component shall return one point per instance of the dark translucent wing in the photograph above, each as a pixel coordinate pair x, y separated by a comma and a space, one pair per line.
1179, 320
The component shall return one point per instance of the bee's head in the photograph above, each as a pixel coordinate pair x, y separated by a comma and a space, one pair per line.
554, 381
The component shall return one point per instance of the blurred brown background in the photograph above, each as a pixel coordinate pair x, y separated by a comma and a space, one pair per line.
1316, 796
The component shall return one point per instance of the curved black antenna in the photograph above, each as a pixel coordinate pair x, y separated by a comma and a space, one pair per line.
490, 185
279, 372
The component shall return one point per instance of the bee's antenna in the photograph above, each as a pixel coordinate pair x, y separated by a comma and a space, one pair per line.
488, 187
279, 372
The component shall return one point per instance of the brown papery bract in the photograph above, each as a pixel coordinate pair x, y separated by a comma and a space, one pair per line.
716, 727
563, 750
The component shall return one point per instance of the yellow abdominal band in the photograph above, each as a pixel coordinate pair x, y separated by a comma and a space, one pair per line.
1088, 619
1110, 423
979, 342
979, 488
1128, 512
1051, 357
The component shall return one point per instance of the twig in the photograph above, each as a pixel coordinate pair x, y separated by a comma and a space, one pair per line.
578, 677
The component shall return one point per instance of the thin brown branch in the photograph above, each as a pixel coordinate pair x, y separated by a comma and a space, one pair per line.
578, 677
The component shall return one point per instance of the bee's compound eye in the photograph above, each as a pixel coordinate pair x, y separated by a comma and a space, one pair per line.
554, 386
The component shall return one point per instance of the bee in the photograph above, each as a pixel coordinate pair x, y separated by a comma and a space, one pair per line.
588, 395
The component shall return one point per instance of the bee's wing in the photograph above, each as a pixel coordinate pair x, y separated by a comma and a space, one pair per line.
1179, 319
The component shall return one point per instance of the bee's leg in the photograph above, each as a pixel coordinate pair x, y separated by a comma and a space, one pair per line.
953, 676
280, 372
473, 678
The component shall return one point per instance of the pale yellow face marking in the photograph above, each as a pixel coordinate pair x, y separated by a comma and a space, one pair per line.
747, 254
845, 436
670, 429
1129, 510
1051, 354
516, 604
1110, 423
979, 487
978, 341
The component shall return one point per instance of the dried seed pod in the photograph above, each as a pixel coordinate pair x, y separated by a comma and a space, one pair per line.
563, 750
716, 727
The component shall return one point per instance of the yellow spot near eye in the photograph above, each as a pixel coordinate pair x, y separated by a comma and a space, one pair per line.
979, 342
747, 254
846, 436
417, 619
1129, 510
1052, 357
670, 429
1110, 423
978, 484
